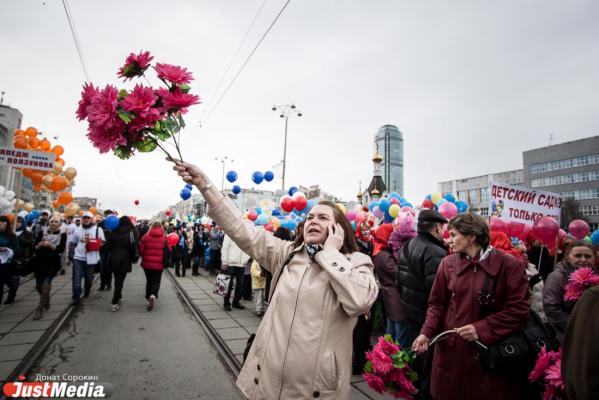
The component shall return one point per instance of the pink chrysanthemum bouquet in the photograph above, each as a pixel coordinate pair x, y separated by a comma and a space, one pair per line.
548, 369
388, 369
580, 280
123, 121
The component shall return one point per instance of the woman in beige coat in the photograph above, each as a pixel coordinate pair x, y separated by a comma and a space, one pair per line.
321, 283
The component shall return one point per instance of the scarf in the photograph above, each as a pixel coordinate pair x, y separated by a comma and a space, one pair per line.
52, 237
312, 250
381, 238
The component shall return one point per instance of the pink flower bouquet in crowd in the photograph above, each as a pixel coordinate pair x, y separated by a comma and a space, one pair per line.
123, 121
548, 369
388, 369
580, 280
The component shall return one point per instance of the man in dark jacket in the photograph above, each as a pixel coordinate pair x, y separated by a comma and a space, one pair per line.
418, 264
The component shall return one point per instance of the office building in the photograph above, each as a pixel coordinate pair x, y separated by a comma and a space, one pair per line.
388, 142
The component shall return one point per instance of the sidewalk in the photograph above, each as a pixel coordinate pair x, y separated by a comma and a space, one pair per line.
234, 327
18, 332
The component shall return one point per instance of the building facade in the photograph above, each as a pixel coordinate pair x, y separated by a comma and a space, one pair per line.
475, 190
10, 121
388, 141
570, 168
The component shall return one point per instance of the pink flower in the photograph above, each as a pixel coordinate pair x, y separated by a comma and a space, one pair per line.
387, 347
374, 382
107, 140
402, 381
135, 65
140, 102
581, 279
543, 362
176, 101
102, 109
381, 362
173, 73
553, 375
87, 94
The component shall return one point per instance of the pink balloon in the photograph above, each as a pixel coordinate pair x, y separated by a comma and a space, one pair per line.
498, 225
514, 228
252, 215
395, 201
546, 229
448, 210
351, 215
579, 229
268, 227
378, 212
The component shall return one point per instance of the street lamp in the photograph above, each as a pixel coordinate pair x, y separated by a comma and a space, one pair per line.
223, 160
286, 110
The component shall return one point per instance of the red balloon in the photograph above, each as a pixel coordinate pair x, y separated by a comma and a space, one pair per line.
173, 239
136, 202
268, 227
252, 215
579, 229
524, 234
546, 229
167, 213
395, 201
286, 203
428, 204
365, 209
498, 225
514, 228
299, 202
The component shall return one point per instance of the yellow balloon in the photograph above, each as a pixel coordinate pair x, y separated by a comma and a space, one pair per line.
70, 173
275, 223
47, 180
28, 207
19, 204
71, 209
58, 167
394, 210
341, 207
435, 197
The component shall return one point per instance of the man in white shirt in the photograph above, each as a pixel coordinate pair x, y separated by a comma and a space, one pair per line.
87, 239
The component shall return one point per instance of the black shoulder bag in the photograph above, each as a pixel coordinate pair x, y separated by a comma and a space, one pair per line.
519, 350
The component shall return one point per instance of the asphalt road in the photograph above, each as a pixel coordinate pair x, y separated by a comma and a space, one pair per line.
144, 355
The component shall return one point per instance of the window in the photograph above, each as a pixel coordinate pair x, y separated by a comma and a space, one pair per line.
484, 195
582, 194
589, 210
565, 179
463, 195
563, 164
484, 212
473, 196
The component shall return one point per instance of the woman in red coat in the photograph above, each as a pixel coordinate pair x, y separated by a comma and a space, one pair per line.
455, 304
152, 250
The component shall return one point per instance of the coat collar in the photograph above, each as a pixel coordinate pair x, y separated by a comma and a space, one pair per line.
484, 261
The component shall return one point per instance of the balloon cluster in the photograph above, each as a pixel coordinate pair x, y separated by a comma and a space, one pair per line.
186, 192
291, 210
258, 177
447, 204
388, 208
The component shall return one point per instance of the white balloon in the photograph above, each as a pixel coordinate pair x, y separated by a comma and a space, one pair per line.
2, 190
9, 194
5, 203
22, 214
205, 220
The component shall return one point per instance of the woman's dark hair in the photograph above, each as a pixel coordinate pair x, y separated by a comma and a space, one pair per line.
470, 224
125, 221
578, 243
350, 245
282, 233
8, 232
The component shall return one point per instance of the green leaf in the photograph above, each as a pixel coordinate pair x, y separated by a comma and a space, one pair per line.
147, 145
122, 94
368, 367
389, 338
413, 376
123, 152
126, 116
181, 121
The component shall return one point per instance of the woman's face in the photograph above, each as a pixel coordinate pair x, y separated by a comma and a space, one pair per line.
316, 228
54, 224
3, 225
581, 256
458, 242
365, 229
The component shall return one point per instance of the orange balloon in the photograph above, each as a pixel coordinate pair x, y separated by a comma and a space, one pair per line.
31, 132
65, 198
59, 183
27, 172
20, 142
36, 177
93, 210
34, 143
81, 213
19, 132
58, 150
45, 145
60, 160
55, 204
11, 218
37, 187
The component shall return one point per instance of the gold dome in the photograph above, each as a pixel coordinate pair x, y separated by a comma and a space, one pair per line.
375, 191
377, 158
359, 195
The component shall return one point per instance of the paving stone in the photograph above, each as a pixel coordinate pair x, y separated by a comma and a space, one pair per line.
224, 323
21, 338
33, 326
247, 322
369, 393
237, 346
251, 329
6, 367
204, 301
209, 307
228, 333
12, 317
14, 352
7, 326
215, 315
355, 394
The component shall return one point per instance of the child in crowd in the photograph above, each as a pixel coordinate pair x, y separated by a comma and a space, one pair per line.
258, 285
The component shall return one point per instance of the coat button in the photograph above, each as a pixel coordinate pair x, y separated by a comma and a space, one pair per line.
258, 366
316, 393
256, 381
341, 269
334, 264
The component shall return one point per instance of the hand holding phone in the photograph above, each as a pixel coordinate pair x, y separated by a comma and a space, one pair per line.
335, 237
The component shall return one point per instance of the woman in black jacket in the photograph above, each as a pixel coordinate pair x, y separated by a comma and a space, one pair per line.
121, 245
49, 246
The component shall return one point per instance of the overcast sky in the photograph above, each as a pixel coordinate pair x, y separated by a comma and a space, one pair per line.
471, 84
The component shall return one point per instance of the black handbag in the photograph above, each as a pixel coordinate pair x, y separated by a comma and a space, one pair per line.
518, 351
135, 255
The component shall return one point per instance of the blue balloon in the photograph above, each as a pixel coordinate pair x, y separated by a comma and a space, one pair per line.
407, 204
388, 217
428, 197
231, 176
276, 212
262, 219
449, 197
394, 195
353, 225
258, 210
35, 214
441, 201
185, 193
595, 237
269, 176
372, 204
111, 222
309, 206
236, 189
292, 190
291, 225
257, 177
384, 205
189, 186
462, 206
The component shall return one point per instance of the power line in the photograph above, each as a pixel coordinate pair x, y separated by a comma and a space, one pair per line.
220, 82
247, 60
75, 38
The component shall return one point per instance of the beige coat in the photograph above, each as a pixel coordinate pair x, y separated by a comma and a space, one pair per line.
303, 347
